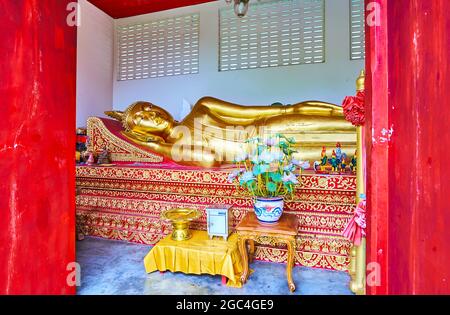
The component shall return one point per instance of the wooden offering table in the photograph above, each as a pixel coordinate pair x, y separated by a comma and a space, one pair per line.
284, 231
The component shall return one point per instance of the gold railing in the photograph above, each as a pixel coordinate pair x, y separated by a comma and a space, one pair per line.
357, 267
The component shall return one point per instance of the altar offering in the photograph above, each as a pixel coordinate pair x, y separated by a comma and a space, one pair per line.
103, 157
180, 219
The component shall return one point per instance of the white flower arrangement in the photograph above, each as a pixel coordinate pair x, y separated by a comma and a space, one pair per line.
266, 167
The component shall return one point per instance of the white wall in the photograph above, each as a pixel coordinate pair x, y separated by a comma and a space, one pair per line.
330, 81
95, 63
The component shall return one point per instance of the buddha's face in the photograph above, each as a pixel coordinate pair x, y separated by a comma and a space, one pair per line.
149, 119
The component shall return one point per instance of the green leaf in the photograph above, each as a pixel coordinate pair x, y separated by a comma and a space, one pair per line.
289, 151
271, 187
275, 176
243, 183
261, 148
289, 187
256, 170
264, 168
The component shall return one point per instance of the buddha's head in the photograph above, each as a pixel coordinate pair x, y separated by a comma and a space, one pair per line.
146, 118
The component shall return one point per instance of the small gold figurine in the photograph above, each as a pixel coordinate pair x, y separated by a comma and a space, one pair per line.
334, 162
91, 159
353, 162
103, 157
324, 160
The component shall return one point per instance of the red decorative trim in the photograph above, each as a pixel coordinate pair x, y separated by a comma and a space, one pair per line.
354, 109
125, 203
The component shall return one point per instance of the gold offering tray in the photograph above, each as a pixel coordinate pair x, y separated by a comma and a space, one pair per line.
181, 215
180, 219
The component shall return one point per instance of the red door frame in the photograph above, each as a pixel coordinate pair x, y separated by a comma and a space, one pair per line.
377, 118
37, 138
408, 76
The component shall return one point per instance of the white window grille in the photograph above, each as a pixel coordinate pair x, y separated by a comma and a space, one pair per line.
275, 33
357, 32
159, 48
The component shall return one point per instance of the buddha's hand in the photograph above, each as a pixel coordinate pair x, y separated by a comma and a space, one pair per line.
155, 139
115, 114
142, 138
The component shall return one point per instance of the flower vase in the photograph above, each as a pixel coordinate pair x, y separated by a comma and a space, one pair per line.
269, 210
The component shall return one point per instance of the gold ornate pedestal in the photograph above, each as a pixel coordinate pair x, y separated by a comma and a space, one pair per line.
180, 219
357, 266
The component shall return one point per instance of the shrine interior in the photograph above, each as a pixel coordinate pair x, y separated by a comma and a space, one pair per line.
224, 147
285, 52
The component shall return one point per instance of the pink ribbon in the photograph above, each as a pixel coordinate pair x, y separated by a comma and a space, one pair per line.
356, 227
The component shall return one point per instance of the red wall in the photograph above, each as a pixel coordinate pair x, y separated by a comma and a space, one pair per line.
37, 101
409, 177
125, 8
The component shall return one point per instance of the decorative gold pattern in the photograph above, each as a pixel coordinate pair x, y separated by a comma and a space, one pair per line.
125, 203
119, 150
207, 176
326, 223
358, 257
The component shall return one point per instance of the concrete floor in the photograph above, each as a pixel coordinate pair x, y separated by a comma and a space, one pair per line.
116, 268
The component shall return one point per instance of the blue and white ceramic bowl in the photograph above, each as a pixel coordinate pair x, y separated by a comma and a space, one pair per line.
269, 210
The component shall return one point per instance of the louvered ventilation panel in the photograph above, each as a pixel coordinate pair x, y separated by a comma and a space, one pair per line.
159, 48
357, 33
273, 34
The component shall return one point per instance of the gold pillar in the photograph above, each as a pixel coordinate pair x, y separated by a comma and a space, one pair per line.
357, 267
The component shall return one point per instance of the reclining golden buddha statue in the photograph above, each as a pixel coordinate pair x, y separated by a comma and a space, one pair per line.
212, 134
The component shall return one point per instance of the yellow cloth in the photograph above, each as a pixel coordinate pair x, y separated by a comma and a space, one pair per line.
198, 255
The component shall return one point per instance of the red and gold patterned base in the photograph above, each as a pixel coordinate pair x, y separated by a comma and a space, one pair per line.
125, 202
